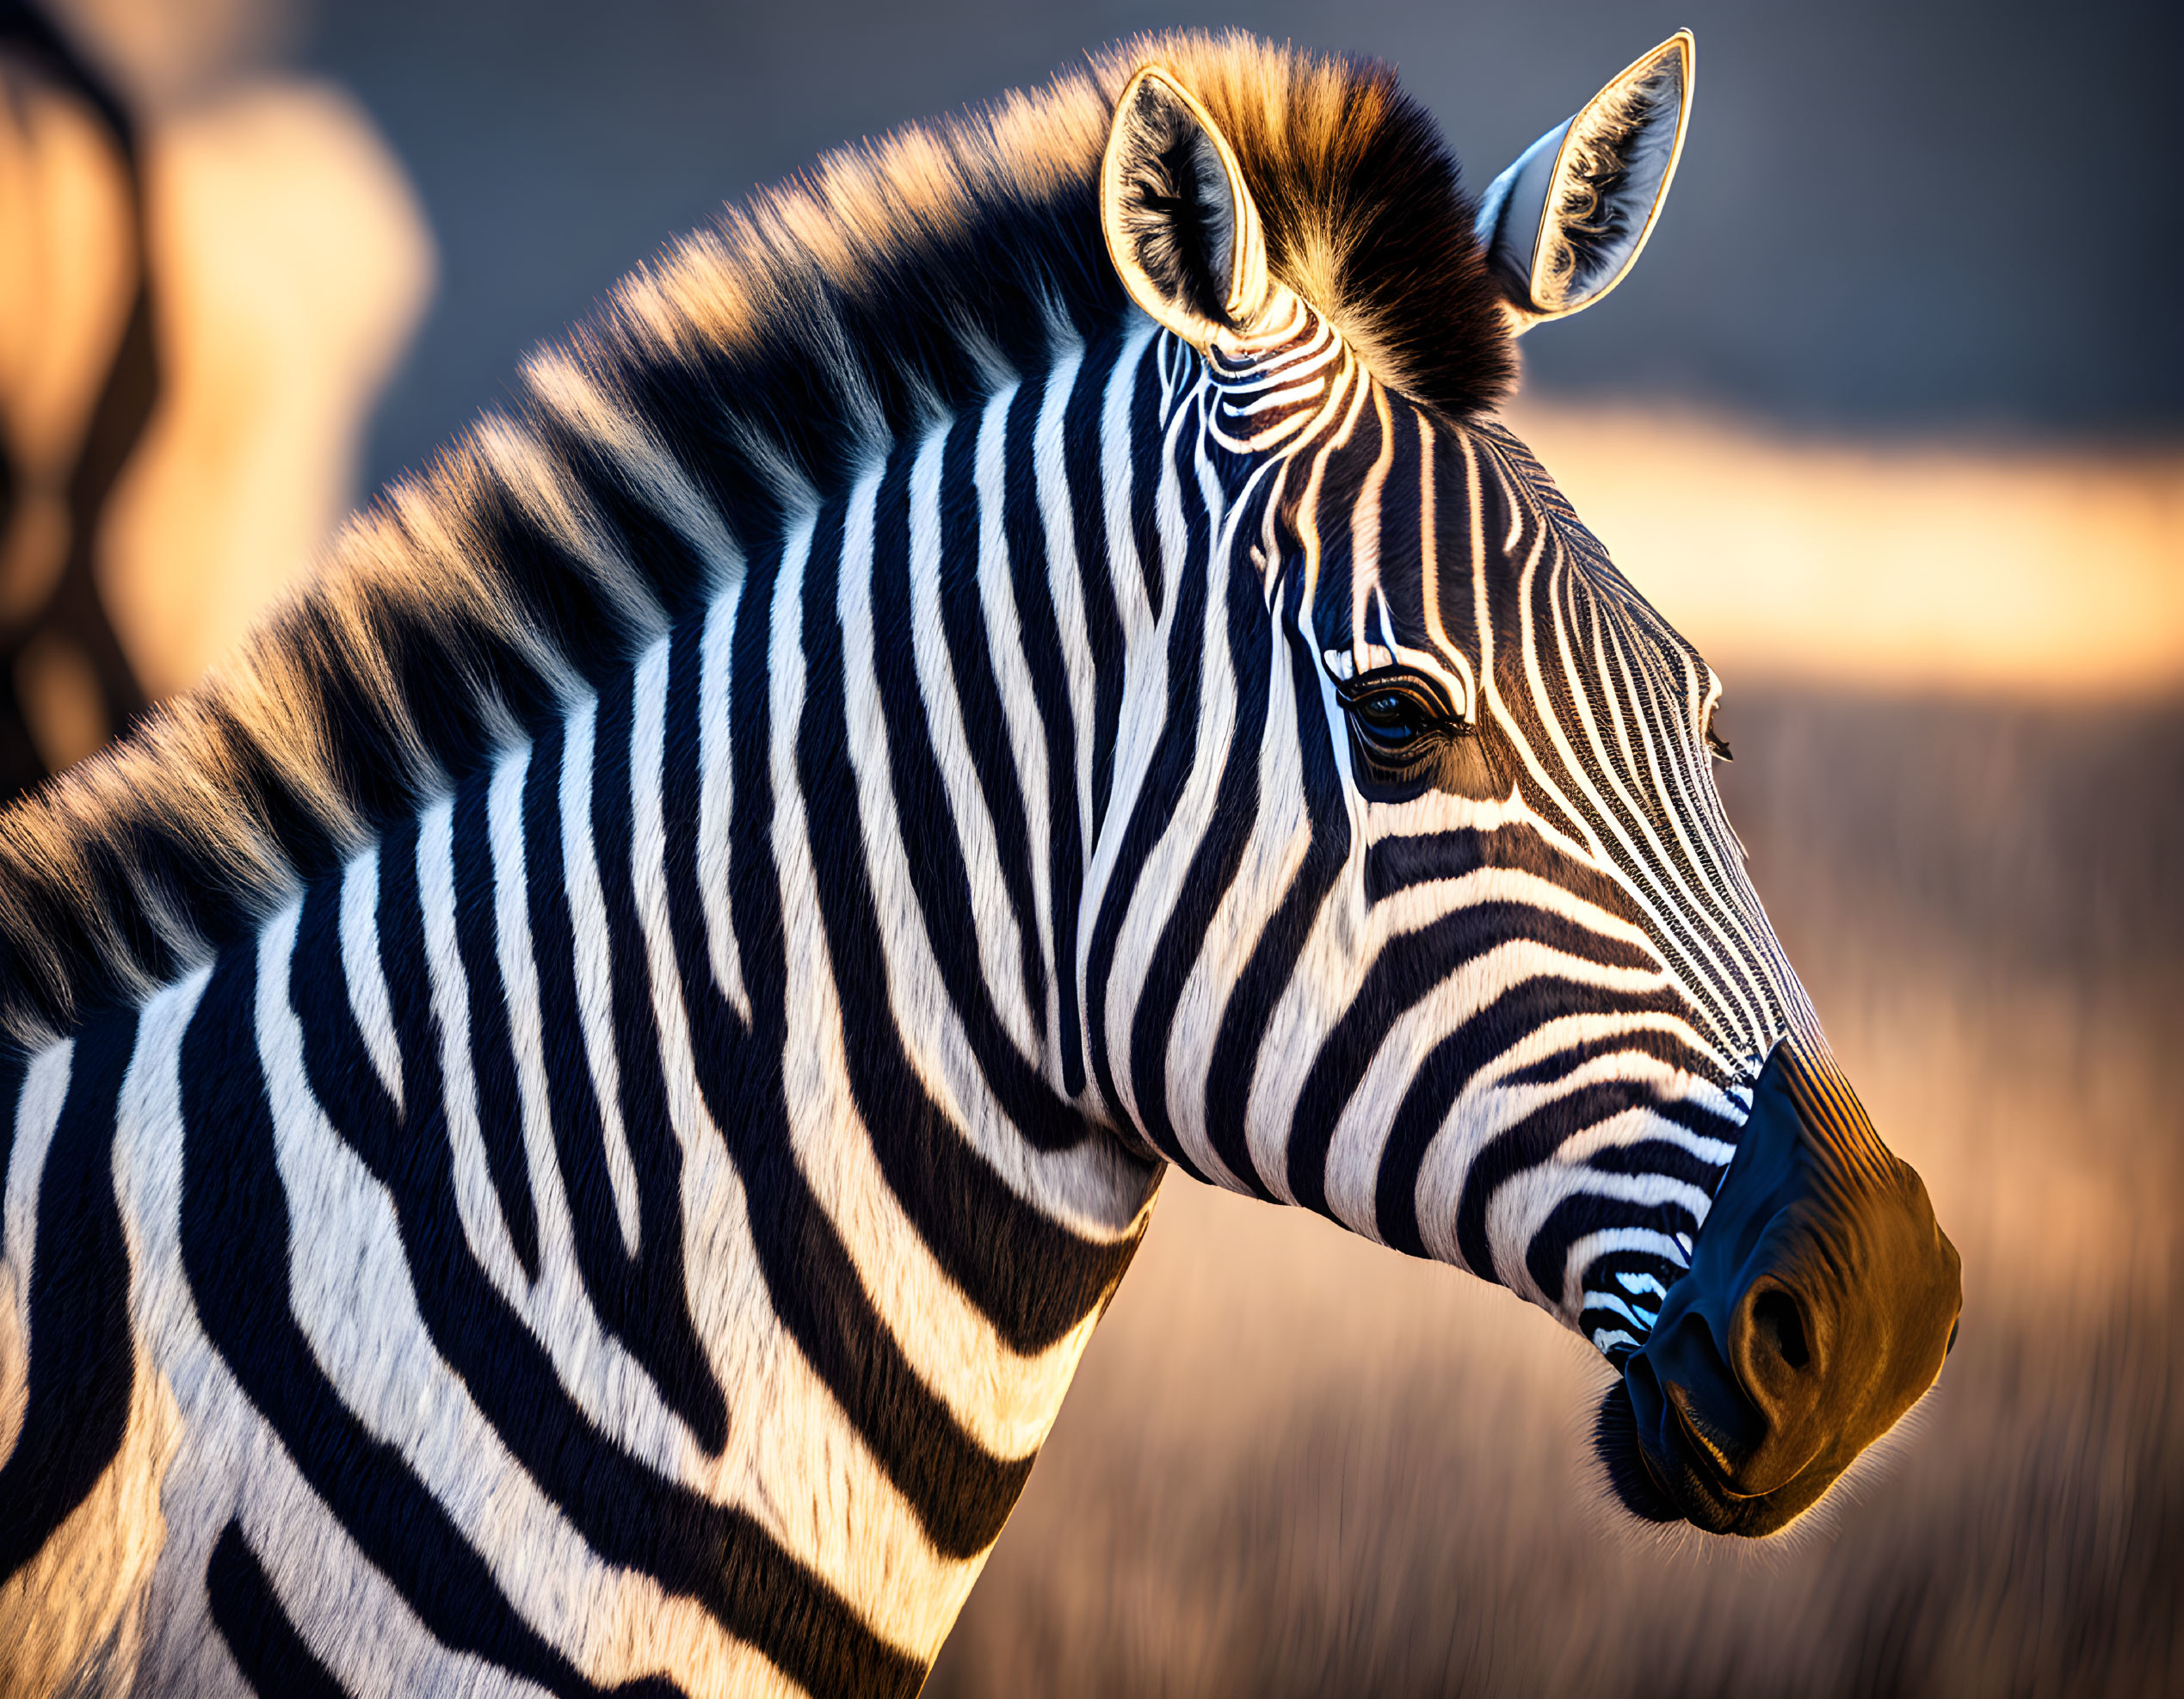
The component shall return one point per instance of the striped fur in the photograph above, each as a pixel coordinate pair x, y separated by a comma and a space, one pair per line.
588, 1098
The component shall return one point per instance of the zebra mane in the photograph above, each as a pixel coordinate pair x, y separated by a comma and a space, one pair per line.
749, 374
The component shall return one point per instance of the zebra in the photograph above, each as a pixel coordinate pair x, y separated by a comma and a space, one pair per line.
573, 1108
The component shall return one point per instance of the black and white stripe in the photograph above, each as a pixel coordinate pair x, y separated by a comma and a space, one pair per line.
629, 1222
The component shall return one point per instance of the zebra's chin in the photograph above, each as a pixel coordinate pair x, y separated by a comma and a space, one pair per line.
1629, 1478
1676, 1487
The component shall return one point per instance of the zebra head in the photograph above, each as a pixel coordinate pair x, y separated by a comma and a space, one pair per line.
1417, 904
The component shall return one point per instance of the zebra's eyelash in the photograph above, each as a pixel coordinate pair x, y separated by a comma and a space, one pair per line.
1352, 693
1715, 741
1401, 681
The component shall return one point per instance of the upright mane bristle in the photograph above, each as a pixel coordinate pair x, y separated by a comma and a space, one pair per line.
750, 372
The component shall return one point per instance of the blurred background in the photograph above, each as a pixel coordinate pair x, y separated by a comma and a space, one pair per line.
1890, 420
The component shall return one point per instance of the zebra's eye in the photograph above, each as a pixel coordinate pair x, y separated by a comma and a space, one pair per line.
1389, 719
1400, 730
1716, 743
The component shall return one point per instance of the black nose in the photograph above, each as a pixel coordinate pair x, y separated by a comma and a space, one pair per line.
1818, 1306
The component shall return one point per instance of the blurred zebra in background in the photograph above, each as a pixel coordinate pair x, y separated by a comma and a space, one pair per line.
577, 1104
58, 616
207, 270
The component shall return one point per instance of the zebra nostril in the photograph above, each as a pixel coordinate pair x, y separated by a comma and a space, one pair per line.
1779, 1327
1777, 1343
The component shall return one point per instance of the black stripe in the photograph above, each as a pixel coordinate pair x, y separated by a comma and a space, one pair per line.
1451, 1064
646, 1298
939, 868
1659, 1156
1498, 506
14, 1068
1228, 832
492, 1054
1661, 1045
1147, 457
1536, 1137
82, 1363
1584, 1213
1274, 958
1168, 771
1593, 1320
1344, 465
1397, 864
1400, 560
1081, 458
1602, 1275
260, 1637
1032, 572
960, 1492
648, 1315
1409, 970
1458, 608
985, 725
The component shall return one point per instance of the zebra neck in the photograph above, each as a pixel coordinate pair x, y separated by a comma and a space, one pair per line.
853, 775
615, 1180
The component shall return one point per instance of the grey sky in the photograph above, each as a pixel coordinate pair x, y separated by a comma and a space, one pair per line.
1915, 215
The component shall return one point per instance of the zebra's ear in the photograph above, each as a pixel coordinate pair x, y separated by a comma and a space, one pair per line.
1180, 226
1565, 223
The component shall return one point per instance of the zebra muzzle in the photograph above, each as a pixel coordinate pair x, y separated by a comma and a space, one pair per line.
1821, 1302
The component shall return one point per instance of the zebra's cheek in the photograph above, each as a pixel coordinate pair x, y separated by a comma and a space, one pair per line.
1473, 768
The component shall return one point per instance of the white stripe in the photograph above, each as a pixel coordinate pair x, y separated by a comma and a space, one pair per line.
993, 918
38, 1107
1064, 576
595, 965
1520, 1207
614, 1392
360, 970
716, 797
1281, 838
1480, 1108
1003, 631
476, 1201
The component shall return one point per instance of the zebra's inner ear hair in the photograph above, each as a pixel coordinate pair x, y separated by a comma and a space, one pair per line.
1179, 223
1565, 223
